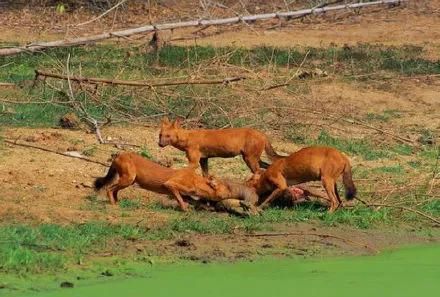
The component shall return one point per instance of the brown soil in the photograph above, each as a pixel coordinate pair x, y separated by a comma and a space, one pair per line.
292, 240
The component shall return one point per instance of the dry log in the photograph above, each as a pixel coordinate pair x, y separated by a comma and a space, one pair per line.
93, 80
54, 152
169, 26
3, 84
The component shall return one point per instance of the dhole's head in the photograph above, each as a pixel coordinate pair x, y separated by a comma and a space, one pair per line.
259, 183
254, 180
168, 132
221, 189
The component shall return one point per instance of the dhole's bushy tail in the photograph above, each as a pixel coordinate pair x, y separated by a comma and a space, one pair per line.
100, 182
271, 153
347, 179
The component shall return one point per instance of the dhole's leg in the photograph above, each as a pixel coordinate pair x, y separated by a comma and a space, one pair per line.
329, 186
193, 158
252, 162
204, 166
280, 182
337, 194
110, 197
125, 180
270, 198
173, 187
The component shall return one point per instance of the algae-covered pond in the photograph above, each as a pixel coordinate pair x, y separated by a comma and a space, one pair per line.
408, 272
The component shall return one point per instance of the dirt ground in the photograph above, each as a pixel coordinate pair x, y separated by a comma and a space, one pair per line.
416, 23
40, 187
301, 239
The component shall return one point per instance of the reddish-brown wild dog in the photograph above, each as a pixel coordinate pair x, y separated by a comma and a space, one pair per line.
202, 144
132, 168
308, 164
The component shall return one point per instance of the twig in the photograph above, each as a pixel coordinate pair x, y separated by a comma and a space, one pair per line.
299, 68
2, 84
133, 83
122, 144
437, 221
322, 235
101, 15
351, 121
92, 122
360, 123
54, 152
274, 87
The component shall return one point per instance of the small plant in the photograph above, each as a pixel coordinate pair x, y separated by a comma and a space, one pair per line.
90, 151
144, 152
61, 8
427, 137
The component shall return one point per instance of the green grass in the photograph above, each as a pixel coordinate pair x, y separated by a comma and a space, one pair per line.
130, 204
394, 170
33, 115
108, 60
360, 147
385, 116
432, 207
50, 247
174, 61
351, 146
145, 152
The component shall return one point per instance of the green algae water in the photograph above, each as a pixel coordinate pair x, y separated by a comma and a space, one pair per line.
407, 272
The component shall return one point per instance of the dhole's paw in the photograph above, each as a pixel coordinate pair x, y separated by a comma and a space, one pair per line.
250, 209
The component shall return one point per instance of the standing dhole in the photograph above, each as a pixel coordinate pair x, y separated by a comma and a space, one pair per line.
202, 144
132, 168
308, 164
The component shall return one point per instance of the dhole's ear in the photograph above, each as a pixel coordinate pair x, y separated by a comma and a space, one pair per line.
177, 123
254, 179
165, 121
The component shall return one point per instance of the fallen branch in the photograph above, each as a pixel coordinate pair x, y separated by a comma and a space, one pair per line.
54, 152
169, 26
435, 220
322, 235
274, 87
6, 84
93, 80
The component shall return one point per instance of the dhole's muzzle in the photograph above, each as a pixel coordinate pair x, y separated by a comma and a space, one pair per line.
162, 143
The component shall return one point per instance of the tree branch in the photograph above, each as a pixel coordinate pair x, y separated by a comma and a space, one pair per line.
93, 80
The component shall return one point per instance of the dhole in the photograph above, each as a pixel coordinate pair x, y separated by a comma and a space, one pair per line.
308, 164
202, 144
132, 168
